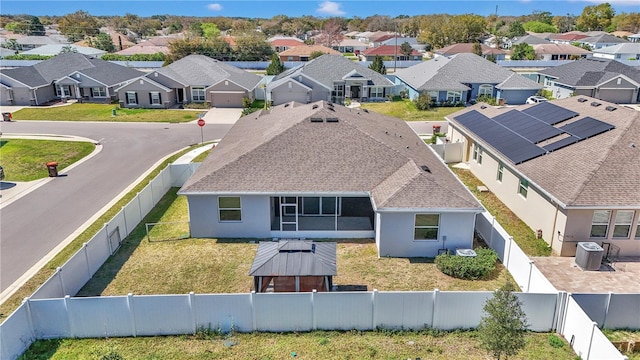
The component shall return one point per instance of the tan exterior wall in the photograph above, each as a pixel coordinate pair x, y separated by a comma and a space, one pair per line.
579, 228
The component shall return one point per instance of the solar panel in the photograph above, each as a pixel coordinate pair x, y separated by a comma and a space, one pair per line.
561, 143
510, 144
587, 127
550, 113
529, 127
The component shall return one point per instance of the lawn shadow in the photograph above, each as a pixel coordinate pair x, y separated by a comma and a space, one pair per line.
42, 349
6, 185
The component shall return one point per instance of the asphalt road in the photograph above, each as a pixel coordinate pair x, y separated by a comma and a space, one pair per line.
35, 224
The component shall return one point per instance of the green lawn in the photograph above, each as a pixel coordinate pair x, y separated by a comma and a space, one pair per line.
103, 112
433, 345
24, 160
621, 338
406, 110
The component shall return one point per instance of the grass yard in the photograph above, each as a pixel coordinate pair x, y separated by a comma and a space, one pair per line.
621, 338
406, 110
24, 160
103, 112
434, 345
222, 266
522, 234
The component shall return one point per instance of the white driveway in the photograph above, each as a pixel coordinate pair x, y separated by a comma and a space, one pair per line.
222, 115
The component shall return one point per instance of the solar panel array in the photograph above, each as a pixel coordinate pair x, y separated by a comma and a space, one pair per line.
516, 133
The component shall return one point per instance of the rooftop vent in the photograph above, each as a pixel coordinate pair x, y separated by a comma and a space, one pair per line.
582, 100
332, 120
483, 107
315, 106
286, 105
610, 108
425, 168
365, 110
316, 119
595, 104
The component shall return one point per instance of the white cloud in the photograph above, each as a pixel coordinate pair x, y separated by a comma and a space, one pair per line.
214, 7
330, 8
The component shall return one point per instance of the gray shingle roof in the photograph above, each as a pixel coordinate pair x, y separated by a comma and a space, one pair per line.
452, 73
45, 72
599, 171
604, 38
590, 72
327, 69
626, 48
531, 40
281, 151
204, 71
295, 258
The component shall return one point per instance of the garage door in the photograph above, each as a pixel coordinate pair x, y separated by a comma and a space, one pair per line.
618, 96
229, 100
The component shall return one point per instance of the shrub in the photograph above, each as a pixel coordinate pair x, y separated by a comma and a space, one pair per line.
487, 99
469, 268
423, 102
555, 341
246, 102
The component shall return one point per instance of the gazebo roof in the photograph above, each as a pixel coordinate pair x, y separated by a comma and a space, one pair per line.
295, 258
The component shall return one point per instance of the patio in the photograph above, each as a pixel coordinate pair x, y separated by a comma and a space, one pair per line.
619, 277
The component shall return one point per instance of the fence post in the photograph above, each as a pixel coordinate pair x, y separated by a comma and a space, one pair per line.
192, 305
509, 253
374, 301
314, 320
106, 231
139, 206
86, 257
434, 307
132, 315
72, 331
557, 316
530, 271
153, 198
27, 303
253, 310
59, 273
126, 227
493, 223
606, 310
593, 330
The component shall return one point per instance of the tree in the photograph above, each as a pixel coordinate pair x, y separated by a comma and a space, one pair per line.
78, 25
502, 331
68, 49
523, 51
35, 27
378, 65
564, 23
210, 30
597, 17
315, 54
331, 33
406, 49
627, 22
252, 47
103, 42
539, 27
516, 29
276, 66
476, 48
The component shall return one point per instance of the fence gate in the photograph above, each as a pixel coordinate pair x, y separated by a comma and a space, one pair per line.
114, 240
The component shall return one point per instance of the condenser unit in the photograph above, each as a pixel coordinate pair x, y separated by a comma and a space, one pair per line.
589, 255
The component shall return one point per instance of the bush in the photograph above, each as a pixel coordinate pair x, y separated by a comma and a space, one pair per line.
423, 102
487, 99
469, 268
246, 102
555, 341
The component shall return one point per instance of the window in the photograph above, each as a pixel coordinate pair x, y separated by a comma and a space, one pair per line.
338, 91
523, 187
98, 92
638, 229
229, 208
426, 227
454, 96
480, 151
132, 98
376, 92
154, 98
475, 152
600, 223
197, 94
500, 171
433, 95
622, 225
63, 90
485, 90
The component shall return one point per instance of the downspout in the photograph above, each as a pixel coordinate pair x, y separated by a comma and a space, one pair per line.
553, 232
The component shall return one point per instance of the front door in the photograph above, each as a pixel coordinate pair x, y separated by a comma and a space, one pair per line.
355, 92
288, 213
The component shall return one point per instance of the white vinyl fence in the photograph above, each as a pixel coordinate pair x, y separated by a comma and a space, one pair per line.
611, 311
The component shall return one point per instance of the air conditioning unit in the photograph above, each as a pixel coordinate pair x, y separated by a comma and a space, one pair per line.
466, 252
589, 255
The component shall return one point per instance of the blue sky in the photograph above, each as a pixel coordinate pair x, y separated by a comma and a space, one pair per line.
295, 8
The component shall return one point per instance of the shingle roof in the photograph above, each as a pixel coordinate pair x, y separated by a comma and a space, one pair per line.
45, 72
467, 48
281, 150
308, 50
328, 69
388, 50
604, 38
590, 72
598, 171
452, 73
558, 49
568, 37
55, 49
626, 48
295, 258
531, 40
205, 71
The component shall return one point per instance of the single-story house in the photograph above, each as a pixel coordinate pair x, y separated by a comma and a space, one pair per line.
55, 49
559, 52
327, 171
66, 76
280, 43
328, 77
294, 266
192, 79
530, 40
602, 40
32, 42
635, 38
393, 52
462, 78
568, 168
604, 79
568, 37
627, 51
348, 45
399, 40
467, 48
303, 53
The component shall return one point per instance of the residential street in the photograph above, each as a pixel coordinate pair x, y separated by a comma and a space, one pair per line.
42, 219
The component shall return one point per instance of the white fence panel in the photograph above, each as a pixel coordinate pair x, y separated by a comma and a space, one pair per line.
146, 200
519, 266
403, 310
459, 309
165, 175
15, 333
132, 215
100, 317
224, 312
349, 310
624, 312
98, 250
540, 310
284, 312
539, 283
52, 288
162, 315
180, 173
119, 222
75, 273
50, 318
594, 305
158, 188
